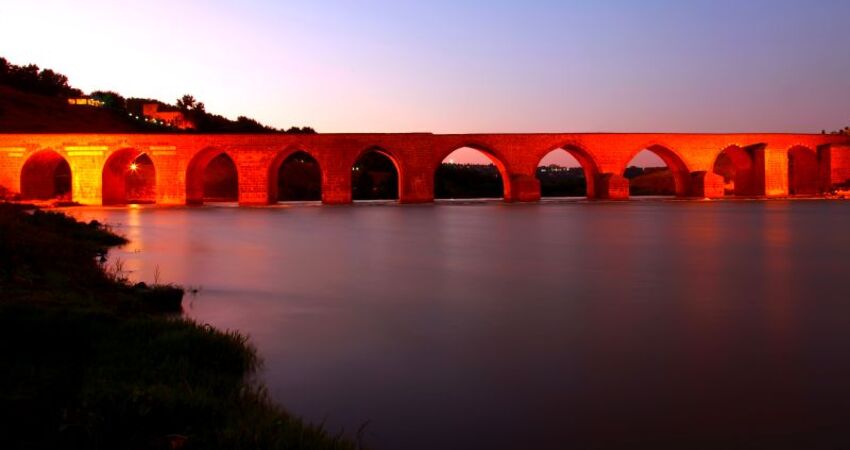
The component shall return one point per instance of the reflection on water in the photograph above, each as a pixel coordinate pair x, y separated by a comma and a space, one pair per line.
540, 326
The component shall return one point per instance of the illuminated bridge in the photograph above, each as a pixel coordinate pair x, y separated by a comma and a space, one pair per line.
173, 168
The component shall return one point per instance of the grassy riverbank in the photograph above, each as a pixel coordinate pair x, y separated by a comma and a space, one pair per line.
92, 362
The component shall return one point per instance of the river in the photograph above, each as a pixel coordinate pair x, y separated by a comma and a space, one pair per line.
563, 324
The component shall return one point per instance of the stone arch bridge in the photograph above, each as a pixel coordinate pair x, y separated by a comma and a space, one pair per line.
768, 165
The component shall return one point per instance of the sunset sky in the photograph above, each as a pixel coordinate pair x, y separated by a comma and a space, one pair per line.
459, 66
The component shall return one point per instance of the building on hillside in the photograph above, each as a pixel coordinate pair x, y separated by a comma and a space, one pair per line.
175, 119
85, 101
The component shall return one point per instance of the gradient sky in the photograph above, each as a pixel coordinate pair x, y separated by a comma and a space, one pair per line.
459, 66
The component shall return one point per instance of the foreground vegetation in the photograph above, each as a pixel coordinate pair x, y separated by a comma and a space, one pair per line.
92, 362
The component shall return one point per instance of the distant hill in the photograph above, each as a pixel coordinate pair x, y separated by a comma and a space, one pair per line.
24, 112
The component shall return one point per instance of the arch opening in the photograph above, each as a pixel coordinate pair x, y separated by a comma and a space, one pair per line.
657, 171
803, 171
735, 165
220, 180
469, 173
374, 176
129, 177
297, 178
567, 172
46, 175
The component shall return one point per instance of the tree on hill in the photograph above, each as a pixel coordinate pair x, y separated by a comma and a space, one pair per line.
214, 123
110, 99
301, 130
186, 102
247, 124
53, 83
844, 131
31, 79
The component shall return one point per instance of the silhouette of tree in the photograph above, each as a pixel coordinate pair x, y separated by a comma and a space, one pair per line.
302, 130
25, 77
248, 125
110, 99
31, 79
52, 83
186, 102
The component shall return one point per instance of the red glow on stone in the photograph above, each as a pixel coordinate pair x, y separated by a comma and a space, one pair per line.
172, 169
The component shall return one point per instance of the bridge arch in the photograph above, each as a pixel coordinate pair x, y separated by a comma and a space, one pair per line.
46, 175
486, 151
803, 171
736, 164
211, 173
583, 157
295, 175
128, 176
674, 162
376, 174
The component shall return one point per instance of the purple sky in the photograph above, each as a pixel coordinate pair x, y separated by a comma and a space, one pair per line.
460, 66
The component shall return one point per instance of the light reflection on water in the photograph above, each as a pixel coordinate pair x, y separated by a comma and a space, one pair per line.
527, 326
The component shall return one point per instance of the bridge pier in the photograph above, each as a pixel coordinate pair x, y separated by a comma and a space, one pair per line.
416, 186
835, 165
336, 184
86, 178
168, 170
253, 185
611, 186
745, 183
706, 184
772, 171
522, 188
253, 196
336, 198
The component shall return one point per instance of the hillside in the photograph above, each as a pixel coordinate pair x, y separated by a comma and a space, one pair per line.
24, 112
35, 100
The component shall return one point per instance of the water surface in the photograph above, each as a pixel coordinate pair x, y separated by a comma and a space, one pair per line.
552, 325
